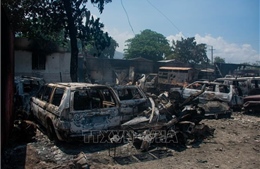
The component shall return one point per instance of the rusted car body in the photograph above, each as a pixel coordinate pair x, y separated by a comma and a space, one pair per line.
252, 103
214, 90
25, 88
244, 85
132, 100
216, 109
151, 83
168, 122
74, 110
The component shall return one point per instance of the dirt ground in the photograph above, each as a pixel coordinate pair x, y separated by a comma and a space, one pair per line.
235, 144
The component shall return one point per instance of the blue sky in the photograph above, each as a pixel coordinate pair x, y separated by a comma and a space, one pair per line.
230, 26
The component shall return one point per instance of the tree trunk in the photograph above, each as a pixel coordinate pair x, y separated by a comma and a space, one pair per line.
7, 77
73, 39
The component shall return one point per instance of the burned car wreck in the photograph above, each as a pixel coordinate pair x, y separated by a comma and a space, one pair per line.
168, 122
252, 103
25, 88
223, 92
71, 111
80, 111
87, 111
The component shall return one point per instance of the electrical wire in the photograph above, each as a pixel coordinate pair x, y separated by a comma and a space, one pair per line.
127, 17
165, 16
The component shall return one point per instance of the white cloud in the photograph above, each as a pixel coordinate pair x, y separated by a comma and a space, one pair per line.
117, 35
231, 52
175, 37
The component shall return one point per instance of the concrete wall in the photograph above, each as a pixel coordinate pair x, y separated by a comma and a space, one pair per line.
103, 70
57, 67
100, 70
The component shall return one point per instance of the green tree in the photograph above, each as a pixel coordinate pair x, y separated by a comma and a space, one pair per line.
218, 59
52, 16
148, 44
108, 52
256, 64
188, 51
245, 63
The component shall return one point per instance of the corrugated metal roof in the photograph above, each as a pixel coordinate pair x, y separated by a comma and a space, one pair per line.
141, 59
175, 68
207, 70
166, 61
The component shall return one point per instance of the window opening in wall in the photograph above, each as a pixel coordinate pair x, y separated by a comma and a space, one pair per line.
38, 61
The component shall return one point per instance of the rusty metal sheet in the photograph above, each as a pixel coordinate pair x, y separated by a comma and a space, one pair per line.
175, 68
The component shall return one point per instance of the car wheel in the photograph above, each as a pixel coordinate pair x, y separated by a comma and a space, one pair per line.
31, 116
216, 116
175, 96
50, 131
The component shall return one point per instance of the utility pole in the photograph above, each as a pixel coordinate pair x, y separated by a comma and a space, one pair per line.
211, 49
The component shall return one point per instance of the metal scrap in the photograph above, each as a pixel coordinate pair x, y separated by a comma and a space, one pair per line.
168, 122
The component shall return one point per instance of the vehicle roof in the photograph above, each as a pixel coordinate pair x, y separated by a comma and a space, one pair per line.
237, 78
175, 68
27, 78
75, 85
208, 82
125, 86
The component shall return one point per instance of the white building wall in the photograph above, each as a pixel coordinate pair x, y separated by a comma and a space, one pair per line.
57, 66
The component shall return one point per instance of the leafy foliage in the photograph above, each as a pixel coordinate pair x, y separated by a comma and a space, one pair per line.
108, 52
256, 64
188, 51
148, 44
92, 36
218, 59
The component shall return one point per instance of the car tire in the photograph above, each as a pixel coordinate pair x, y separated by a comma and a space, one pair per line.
31, 116
50, 131
175, 96
216, 116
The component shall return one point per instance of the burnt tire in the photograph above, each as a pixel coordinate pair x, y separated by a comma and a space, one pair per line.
181, 138
175, 96
31, 116
50, 131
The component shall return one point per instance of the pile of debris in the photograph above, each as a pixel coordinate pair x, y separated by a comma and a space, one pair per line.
168, 121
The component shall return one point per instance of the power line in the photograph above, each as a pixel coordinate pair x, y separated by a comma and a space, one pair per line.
164, 16
127, 17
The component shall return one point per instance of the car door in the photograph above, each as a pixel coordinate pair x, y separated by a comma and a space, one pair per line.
43, 103
36, 102
132, 101
53, 107
191, 89
210, 92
